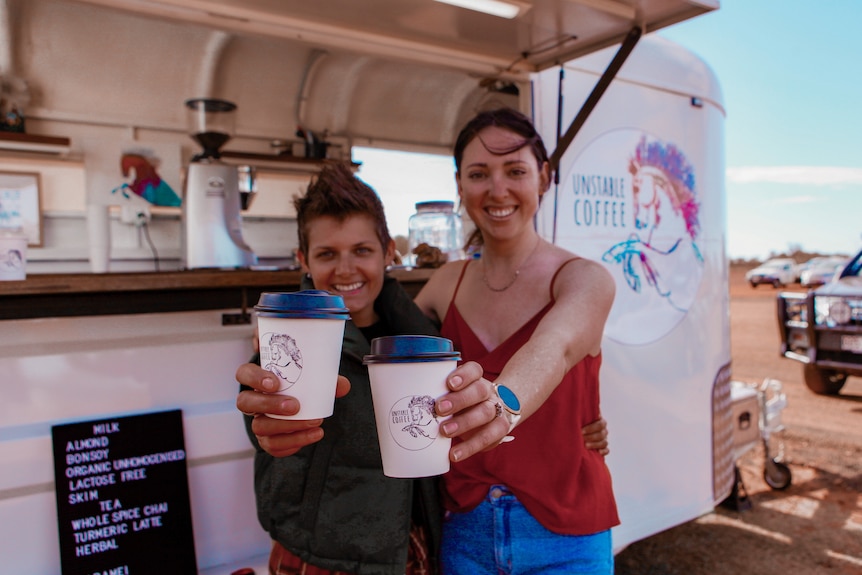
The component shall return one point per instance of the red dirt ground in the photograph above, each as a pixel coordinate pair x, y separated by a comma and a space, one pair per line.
812, 527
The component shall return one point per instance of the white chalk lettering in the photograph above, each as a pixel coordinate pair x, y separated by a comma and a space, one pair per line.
94, 481
87, 456
152, 459
121, 570
126, 514
133, 475
89, 522
156, 508
147, 523
86, 496
110, 504
85, 470
102, 533
96, 547
109, 427
86, 444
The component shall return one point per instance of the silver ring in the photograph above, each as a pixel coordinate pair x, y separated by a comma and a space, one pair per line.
498, 409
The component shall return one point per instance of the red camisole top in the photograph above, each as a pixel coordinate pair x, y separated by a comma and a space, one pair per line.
566, 487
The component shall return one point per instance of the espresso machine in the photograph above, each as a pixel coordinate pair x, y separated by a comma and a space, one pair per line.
211, 221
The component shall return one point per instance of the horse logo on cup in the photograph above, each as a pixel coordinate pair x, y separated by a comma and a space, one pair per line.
413, 422
280, 354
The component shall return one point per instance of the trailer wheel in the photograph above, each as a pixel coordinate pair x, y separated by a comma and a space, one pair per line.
776, 474
823, 381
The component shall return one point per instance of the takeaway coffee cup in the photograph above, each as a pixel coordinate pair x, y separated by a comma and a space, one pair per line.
13, 255
300, 337
408, 375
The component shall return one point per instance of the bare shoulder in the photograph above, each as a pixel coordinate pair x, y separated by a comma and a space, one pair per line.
437, 292
448, 272
577, 273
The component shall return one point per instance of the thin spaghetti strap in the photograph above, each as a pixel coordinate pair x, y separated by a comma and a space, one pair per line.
460, 277
556, 273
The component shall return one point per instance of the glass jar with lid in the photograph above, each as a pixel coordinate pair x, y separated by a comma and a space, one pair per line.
437, 224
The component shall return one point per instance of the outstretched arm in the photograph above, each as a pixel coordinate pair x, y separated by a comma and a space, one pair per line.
569, 332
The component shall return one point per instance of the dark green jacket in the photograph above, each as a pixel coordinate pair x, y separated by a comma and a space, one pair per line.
330, 503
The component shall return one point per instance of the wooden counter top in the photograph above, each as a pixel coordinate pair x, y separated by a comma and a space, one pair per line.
65, 295
137, 281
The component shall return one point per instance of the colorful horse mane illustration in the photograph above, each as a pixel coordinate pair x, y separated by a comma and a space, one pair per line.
670, 173
659, 173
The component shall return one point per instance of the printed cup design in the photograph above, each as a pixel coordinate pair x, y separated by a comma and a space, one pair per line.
413, 422
280, 354
304, 354
408, 429
407, 374
300, 335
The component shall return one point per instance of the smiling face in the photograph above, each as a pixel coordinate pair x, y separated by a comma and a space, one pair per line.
501, 191
346, 258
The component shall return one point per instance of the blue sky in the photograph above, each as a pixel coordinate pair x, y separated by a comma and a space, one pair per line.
792, 88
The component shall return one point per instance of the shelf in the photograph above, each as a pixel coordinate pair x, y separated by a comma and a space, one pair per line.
278, 162
18, 142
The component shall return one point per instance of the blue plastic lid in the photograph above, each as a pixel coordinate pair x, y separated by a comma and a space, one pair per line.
410, 349
314, 304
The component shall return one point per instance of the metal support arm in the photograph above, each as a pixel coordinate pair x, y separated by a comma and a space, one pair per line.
607, 77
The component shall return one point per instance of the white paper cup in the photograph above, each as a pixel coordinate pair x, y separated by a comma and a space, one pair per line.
13, 255
408, 375
300, 342
99, 236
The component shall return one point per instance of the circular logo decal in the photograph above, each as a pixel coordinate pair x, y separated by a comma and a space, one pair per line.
630, 201
413, 422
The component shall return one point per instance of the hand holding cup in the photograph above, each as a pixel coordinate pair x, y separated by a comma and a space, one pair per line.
470, 409
278, 437
408, 374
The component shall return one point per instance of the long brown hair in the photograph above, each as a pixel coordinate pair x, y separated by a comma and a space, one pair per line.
507, 119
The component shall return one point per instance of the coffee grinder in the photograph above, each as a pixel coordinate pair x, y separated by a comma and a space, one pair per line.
212, 226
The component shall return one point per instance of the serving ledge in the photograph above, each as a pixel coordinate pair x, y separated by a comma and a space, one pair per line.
69, 295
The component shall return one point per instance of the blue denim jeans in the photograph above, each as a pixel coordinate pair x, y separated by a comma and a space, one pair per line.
500, 537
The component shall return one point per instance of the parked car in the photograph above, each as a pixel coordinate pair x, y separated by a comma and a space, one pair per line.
822, 329
777, 272
821, 270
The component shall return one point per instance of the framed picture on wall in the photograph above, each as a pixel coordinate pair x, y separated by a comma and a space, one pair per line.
21, 205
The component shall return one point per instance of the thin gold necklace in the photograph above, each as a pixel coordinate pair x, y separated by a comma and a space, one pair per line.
517, 271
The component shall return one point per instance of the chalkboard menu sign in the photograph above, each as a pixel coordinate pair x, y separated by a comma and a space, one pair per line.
123, 496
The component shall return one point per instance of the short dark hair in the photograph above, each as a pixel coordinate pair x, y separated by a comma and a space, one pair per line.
336, 192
